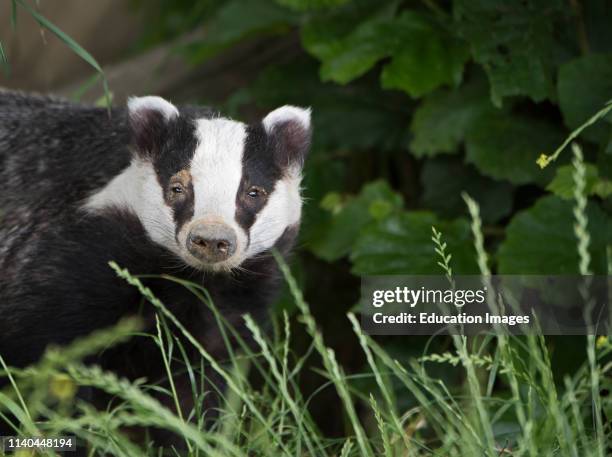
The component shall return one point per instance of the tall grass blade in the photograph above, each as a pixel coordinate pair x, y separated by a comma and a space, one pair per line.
231, 383
13, 14
328, 357
583, 238
298, 414
382, 387
6, 66
69, 41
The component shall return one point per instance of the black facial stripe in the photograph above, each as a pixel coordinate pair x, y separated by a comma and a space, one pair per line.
258, 169
183, 208
173, 154
177, 149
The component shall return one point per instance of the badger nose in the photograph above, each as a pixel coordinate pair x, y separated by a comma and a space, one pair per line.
211, 242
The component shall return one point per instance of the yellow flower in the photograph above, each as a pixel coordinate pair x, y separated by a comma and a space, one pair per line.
601, 342
62, 387
543, 160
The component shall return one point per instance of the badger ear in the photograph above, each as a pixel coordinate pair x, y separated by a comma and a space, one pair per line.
148, 120
289, 129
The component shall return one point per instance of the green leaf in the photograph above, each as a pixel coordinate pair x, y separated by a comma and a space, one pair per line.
563, 183
308, 5
380, 209
443, 181
240, 19
350, 41
506, 146
442, 120
401, 244
514, 41
541, 240
425, 56
602, 188
597, 17
585, 85
361, 52
321, 182
332, 202
348, 119
342, 228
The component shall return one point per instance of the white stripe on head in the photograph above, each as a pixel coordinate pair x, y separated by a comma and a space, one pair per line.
216, 171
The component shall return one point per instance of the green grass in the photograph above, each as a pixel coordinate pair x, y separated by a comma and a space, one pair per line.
506, 401
76, 48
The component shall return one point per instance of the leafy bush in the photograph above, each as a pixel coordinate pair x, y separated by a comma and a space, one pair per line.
416, 102
435, 98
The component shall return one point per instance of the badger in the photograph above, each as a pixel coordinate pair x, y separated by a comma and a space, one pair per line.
159, 189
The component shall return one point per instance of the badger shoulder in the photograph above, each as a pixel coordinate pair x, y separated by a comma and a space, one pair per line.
20, 99
56, 151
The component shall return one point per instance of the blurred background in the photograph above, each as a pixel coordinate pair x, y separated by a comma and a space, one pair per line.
414, 103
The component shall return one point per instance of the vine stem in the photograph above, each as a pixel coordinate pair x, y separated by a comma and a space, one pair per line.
544, 160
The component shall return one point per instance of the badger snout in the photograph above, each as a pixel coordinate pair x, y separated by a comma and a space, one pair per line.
211, 241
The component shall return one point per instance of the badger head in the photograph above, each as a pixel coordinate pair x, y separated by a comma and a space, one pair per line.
214, 191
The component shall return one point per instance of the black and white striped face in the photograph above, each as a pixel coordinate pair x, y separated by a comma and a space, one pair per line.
213, 191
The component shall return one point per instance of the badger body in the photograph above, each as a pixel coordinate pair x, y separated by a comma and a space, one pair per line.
157, 189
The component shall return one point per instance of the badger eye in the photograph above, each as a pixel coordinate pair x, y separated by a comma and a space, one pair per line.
255, 192
176, 189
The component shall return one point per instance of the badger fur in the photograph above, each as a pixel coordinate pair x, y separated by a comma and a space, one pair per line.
154, 187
